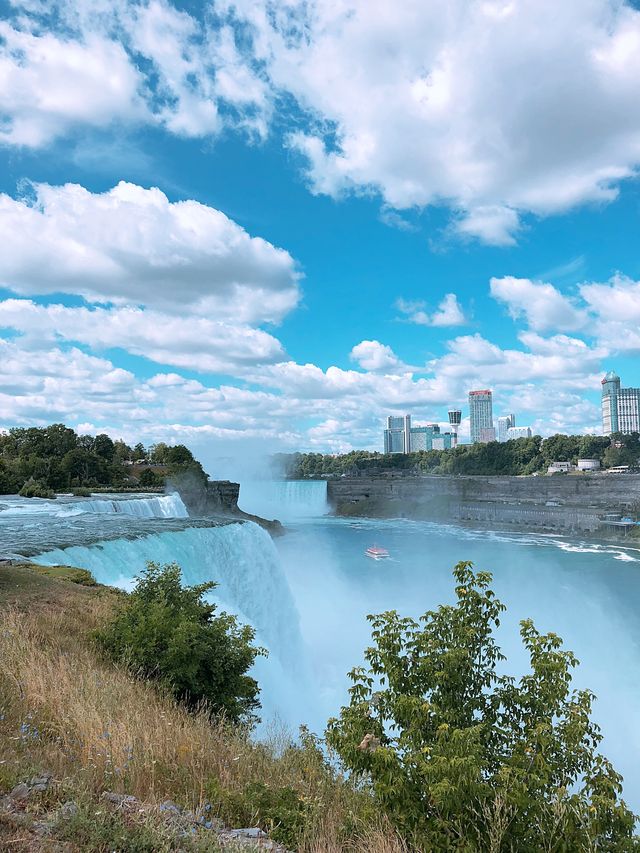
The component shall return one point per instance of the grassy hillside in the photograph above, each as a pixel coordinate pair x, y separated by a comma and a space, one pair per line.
74, 729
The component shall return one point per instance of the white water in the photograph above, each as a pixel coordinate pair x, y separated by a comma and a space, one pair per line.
150, 506
290, 500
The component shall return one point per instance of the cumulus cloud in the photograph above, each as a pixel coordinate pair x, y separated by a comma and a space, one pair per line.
449, 312
50, 83
124, 62
541, 304
132, 245
204, 345
458, 102
372, 355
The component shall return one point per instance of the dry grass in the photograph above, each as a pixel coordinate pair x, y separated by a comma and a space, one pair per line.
96, 728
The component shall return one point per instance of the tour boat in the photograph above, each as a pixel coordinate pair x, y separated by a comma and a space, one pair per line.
376, 553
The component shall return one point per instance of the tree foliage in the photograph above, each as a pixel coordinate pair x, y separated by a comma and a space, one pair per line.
170, 633
462, 757
57, 459
517, 457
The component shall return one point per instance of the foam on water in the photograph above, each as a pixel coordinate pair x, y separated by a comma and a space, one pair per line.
149, 506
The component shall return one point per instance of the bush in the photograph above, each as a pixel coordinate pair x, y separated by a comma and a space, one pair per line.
36, 489
463, 758
148, 479
168, 632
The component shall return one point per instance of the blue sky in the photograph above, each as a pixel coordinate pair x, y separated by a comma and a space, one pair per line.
247, 223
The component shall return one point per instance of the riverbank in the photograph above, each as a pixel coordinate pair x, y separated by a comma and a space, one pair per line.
586, 505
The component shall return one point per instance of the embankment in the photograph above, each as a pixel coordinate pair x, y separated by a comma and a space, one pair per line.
560, 503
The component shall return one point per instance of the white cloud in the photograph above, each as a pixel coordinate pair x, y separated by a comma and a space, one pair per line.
449, 312
49, 84
124, 62
132, 245
197, 343
481, 106
541, 304
372, 355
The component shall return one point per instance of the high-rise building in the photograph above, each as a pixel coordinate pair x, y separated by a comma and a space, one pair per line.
455, 416
481, 416
518, 432
505, 423
422, 437
397, 435
620, 406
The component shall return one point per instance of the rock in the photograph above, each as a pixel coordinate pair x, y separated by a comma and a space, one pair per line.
253, 832
124, 801
41, 783
69, 810
20, 792
170, 807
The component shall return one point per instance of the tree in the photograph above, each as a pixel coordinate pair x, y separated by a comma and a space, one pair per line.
168, 632
149, 479
461, 757
103, 446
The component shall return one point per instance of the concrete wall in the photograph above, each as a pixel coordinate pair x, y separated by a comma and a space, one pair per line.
559, 502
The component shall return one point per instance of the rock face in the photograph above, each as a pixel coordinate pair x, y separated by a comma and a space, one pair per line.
218, 498
552, 503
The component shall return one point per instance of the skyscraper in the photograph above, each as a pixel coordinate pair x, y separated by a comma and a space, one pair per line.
481, 415
397, 435
620, 406
505, 423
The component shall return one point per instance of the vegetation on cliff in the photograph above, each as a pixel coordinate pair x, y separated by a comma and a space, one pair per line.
438, 749
38, 461
514, 458
169, 633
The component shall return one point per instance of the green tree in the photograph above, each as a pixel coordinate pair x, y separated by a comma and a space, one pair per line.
464, 758
168, 632
103, 446
149, 479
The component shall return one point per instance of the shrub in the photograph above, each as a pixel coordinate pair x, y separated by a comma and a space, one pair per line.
463, 758
149, 479
36, 489
168, 632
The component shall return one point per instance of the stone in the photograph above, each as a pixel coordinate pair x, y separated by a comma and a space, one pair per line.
41, 783
20, 792
125, 801
170, 807
69, 810
250, 832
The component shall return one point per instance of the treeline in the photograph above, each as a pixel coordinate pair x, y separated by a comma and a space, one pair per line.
517, 457
40, 461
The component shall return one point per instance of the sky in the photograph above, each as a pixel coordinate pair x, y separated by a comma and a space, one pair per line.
267, 225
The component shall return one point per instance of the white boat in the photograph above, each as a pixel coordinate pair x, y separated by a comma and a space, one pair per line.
376, 553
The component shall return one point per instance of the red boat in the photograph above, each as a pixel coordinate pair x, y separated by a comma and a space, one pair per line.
376, 553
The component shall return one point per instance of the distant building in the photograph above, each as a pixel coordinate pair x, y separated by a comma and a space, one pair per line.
422, 437
518, 432
397, 435
455, 416
444, 441
481, 415
559, 468
620, 406
505, 423
588, 464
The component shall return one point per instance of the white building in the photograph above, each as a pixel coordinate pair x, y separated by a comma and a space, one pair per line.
505, 423
588, 464
481, 416
518, 432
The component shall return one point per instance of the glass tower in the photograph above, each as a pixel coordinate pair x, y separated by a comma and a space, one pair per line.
481, 415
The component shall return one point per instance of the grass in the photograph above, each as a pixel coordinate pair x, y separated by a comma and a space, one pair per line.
65, 710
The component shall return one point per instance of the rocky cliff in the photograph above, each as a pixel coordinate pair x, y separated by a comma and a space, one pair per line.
545, 503
218, 498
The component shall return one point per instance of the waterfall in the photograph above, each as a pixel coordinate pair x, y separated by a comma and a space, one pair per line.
161, 506
287, 500
149, 506
241, 558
